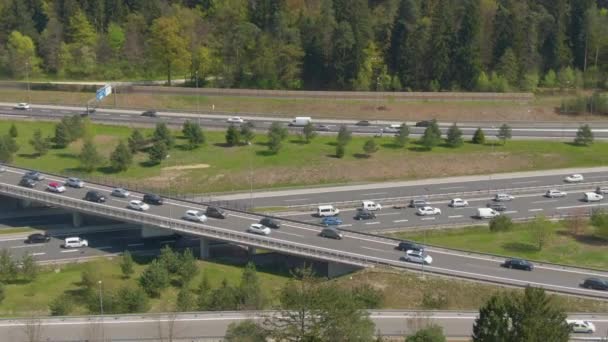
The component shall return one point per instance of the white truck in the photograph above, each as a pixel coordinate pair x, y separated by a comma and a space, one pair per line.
300, 121
486, 213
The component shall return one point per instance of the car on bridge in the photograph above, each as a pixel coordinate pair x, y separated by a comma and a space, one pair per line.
331, 221
38, 238
22, 106
580, 326
120, 192
138, 205
75, 242
554, 193
27, 182
518, 264
409, 246
216, 212
458, 203
428, 211
55, 187
153, 199
595, 284
74, 182
257, 228
35, 175
195, 216
418, 257
331, 233
270, 223
95, 196
575, 178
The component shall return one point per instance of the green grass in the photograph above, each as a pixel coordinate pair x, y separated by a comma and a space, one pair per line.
582, 251
16, 230
300, 164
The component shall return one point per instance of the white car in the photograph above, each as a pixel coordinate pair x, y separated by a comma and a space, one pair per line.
593, 197
22, 106
2, 169
235, 120
417, 257
74, 182
390, 129
257, 228
55, 187
580, 326
553, 193
75, 242
502, 197
138, 205
425, 211
575, 178
195, 216
458, 203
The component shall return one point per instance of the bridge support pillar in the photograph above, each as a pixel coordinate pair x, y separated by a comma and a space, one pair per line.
24, 203
204, 249
252, 250
151, 231
77, 219
335, 269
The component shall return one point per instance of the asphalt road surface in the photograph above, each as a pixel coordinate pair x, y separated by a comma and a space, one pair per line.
565, 131
378, 249
209, 326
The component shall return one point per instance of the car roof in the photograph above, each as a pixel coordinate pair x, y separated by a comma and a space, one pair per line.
53, 183
192, 211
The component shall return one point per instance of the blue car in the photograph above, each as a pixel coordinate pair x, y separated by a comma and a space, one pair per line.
331, 221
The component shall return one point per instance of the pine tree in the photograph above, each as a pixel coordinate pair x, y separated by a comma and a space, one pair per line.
90, 159
479, 137
194, 134
251, 297
121, 158
187, 267
158, 152
430, 138
13, 131
39, 144
233, 136
185, 300
370, 147
308, 132
154, 279
162, 133
454, 136
344, 135
584, 136
276, 135
466, 63
247, 133
62, 136
126, 264
136, 141
402, 136
504, 133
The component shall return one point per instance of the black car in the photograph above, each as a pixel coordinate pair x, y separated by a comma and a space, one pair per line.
595, 284
424, 123
497, 206
331, 233
95, 196
519, 264
35, 175
153, 199
270, 223
150, 113
38, 238
363, 123
363, 214
215, 212
410, 246
27, 182
419, 203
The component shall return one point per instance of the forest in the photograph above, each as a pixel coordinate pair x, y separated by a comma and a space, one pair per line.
388, 45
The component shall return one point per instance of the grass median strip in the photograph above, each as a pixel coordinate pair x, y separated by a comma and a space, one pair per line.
16, 230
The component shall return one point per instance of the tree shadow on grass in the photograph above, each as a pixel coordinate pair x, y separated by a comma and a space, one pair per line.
147, 163
361, 156
298, 141
67, 155
332, 155
263, 144
28, 155
586, 239
418, 149
572, 143
222, 145
392, 146
332, 143
265, 153
519, 247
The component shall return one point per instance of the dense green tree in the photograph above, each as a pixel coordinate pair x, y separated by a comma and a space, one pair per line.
308, 132
251, 297
22, 58
508, 67
584, 136
169, 259
479, 137
225, 297
29, 268
169, 46
454, 136
194, 134
233, 136
431, 137
247, 134
276, 135
162, 133
136, 141
344, 135
126, 264
466, 62
8, 267
187, 268
402, 137
441, 31
245, 331
8, 148
158, 152
12, 131
504, 133
401, 56
89, 158
431, 333
340, 150
40, 144
155, 278
185, 300
131, 299
121, 158
203, 292
370, 147
501, 223
62, 305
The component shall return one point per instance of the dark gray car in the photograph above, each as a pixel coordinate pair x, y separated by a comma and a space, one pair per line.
331, 233
215, 212
419, 203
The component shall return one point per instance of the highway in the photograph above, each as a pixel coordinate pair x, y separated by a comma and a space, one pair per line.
211, 326
557, 131
373, 249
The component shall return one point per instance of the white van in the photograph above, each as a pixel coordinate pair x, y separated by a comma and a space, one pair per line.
371, 205
487, 213
327, 210
300, 121
75, 242
593, 197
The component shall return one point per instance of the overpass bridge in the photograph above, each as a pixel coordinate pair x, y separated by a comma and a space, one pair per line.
293, 238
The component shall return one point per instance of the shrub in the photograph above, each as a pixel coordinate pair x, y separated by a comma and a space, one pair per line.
501, 223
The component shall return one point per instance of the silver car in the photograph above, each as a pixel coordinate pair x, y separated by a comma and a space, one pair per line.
120, 192
74, 182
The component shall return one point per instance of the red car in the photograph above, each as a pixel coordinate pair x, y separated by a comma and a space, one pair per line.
55, 187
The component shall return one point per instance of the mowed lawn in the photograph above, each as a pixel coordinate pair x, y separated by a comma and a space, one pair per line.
584, 250
216, 168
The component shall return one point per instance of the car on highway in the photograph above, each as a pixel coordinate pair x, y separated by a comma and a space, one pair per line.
27, 182
74, 182
518, 264
55, 187
418, 257
592, 197
428, 211
95, 196
270, 223
371, 205
38, 238
235, 120
138, 205
580, 326
327, 210
424, 123
2, 169
194, 216
602, 190
363, 123
75, 242
458, 203
496, 206
409, 246
575, 178
331, 221
554, 193
390, 130
216, 212
120, 192
22, 106
364, 214
322, 128
257, 228
503, 197
153, 199
150, 113
331, 233
419, 203
35, 175
487, 213
595, 284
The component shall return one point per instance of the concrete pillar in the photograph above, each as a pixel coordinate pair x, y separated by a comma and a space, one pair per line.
24, 203
77, 219
251, 250
204, 246
335, 269
151, 231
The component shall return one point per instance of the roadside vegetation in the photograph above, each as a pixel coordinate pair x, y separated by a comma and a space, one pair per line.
576, 241
188, 160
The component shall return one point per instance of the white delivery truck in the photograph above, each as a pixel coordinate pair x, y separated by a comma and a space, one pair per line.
327, 210
300, 121
371, 205
487, 213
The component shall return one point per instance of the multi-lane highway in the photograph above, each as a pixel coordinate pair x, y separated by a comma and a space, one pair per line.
211, 326
534, 130
304, 238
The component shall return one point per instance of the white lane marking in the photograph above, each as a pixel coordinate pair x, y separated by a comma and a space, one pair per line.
296, 200
70, 251
538, 209
103, 114
292, 234
453, 187
582, 206
427, 218
385, 214
510, 212
135, 244
526, 182
374, 194
124, 116
342, 225
368, 223
455, 216
40, 253
545, 201
397, 221
374, 249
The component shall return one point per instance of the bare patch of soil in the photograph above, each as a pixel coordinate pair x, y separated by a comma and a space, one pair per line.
186, 167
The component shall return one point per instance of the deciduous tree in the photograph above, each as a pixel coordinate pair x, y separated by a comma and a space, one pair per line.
40, 144
584, 136
169, 46
276, 135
